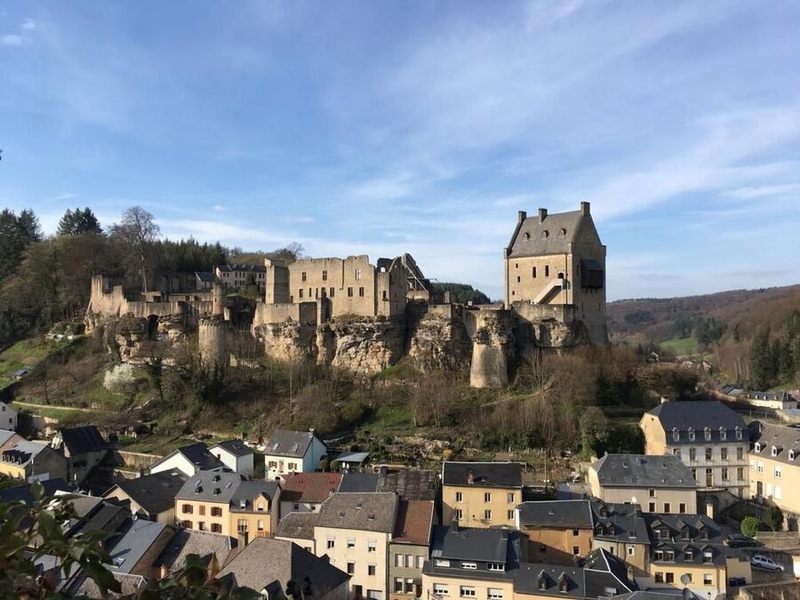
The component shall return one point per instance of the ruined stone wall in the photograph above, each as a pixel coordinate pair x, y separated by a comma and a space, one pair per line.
492, 342
302, 312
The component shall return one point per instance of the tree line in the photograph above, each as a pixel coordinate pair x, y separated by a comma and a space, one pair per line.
775, 353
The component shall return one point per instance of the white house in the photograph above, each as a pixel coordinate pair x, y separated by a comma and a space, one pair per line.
8, 417
235, 455
292, 452
188, 460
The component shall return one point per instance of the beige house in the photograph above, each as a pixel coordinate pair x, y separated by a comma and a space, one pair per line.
237, 276
22, 459
555, 532
660, 484
557, 261
481, 494
410, 548
708, 437
150, 497
354, 530
774, 468
225, 503
621, 530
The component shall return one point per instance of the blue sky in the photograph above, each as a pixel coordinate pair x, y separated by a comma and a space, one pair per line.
421, 127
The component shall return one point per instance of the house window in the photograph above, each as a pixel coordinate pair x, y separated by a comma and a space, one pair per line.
576, 551
691, 434
351, 568
349, 292
547, 269
777, 472
303, 276
201, 510
351, 543
739, 453
670, 577
659, 577
260, 525
186, 524
738, 433
495, 566
398, 584
459, 497
740, 473
398, 560
469, 565
440, 589
724, 474
216, 511
682, 507
692, 454
201, 525
676, 435
575, 532
723, 453
494, 594
534, 272
651, 507
707, 579
487, 497
301, 292
487, 515
631, 550
707, 432
778, 493
324, 275
459, 514
723, 433
372, 546
361, 292
331, 542
667, 507
371, 570
466, 591
708, 453
708, 556
358, 274
651, 493
760, 467
409, 561
510, 498
216, 528
241, 525
420, 561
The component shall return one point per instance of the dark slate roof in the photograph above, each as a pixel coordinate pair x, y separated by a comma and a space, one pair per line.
604, 571
23, 452
784, 440
132, 542
544, 233
640, 470
567, 514
104, 516
375, 511
685, 532
243, 267
483, 545
619, 522
81, 440
198, 454
22, 492
205, 276
297, 525
235, 447
415, 520
663, 594
155, 493
210, 486
246, 491
83, 586
410, 484
359, 482
190, 541
264, 561
484, 474
684, 415
5, 435
289, 443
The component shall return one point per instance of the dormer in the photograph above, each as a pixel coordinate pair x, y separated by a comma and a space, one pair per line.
691, 434
707, 433
563, 583
676, 434
723, 433
542, 581
704, 533
776, 450
758, 447
792, 454
686, 532
738, 433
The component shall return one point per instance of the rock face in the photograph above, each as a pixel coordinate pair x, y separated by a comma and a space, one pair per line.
492, 342
367, 346
439, 342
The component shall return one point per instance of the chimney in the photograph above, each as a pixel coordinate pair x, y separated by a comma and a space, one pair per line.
542, 214
470, 477
585, 209
521, 216
243, 539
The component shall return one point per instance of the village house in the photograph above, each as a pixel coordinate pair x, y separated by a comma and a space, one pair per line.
29, 460
292, 452
708, 437
150, 497
410, 548
305, 492
775, 468
620, 530
8, 417
555, 532
354, 530
212, 548
657, 483
235, 455
298, 527
237, 276
481, 494
83, 447
188, 460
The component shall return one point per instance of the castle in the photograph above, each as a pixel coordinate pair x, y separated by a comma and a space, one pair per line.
364, 317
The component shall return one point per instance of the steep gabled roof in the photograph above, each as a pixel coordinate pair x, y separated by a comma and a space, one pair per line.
310, 488
82, 440
190, 541
785, 440
569, 514
210, 486
545, 233
685, 414
375, 511
410, 484
294, 444
415, 519
297, 525
198, 454
640, 470
482, 474
154, 493
235, 447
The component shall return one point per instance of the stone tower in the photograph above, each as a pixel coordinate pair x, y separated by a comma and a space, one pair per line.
555, 265
212, 332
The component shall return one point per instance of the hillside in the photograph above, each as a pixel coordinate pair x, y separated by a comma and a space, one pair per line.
659, 319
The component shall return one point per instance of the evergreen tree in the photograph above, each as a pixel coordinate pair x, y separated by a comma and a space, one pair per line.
761, 363
78, 221
16, 233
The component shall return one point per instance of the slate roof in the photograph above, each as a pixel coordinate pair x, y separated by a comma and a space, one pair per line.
484, 474
83, 586
697, 415
132, 542
82, 440
410, 484
309, 487
246, 491
22, 492
154, 493
103, 516
484, 545
190, 541
619, 522
198, 454
566, 514
535, 236
210, 486
235, 447
352, 458
5, 435
264, 561
294, 444
297, 525
375, 511
640, 470
685, 532
205, 276
22, 452
786, 441
602, 571
414, 523
359, 482
243, 267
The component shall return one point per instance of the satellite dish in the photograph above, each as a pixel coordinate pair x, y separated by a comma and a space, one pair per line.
686, 579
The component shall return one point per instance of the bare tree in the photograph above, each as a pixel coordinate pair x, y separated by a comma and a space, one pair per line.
138, 230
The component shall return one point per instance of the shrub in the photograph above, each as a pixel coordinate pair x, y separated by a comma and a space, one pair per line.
749, 526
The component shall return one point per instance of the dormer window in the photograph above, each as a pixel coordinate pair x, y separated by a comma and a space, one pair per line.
545, 234
758, 447
704, 534
738, 433
686, 533
563, 583
688, 554
542, 581
676, 435
691, 434
723, 433
775, 450
791, 454
708, 556
707, 433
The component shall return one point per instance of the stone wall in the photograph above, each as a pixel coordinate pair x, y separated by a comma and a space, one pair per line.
492, 342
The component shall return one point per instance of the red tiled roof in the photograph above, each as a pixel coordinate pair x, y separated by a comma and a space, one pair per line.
310, 487
414, 522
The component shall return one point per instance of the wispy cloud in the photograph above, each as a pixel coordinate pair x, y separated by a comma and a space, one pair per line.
21, 36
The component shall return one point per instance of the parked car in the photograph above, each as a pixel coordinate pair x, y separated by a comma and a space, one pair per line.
764, 562
736, 581
737, 540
